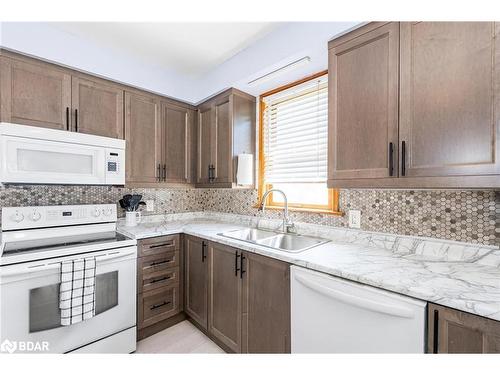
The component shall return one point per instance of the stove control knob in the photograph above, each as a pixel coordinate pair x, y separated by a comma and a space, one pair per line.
96, 212
35, 216
107, 212
17, 217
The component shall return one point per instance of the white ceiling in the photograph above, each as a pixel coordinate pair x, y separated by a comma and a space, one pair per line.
188, 48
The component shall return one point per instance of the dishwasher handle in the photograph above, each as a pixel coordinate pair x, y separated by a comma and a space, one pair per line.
364, 303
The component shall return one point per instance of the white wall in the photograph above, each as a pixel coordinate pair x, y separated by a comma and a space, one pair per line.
287, 43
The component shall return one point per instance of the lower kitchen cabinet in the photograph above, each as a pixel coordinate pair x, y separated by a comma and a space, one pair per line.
453, 331
266, 305
225, 295
241, 300
196, 280
160, 284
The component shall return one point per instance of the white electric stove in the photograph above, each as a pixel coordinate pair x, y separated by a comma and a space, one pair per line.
34, 242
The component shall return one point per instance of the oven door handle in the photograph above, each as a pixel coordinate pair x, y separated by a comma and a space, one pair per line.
16, 271
116, 255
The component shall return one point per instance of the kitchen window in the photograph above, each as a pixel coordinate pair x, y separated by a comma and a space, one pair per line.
293, 143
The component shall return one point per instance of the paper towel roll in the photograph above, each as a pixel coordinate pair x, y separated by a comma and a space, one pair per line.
244, 174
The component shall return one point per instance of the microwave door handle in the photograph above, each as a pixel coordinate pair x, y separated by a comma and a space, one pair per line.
364, 303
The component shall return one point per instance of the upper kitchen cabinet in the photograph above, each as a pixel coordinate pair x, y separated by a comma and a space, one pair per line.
98, 107
226, 127
363, 103
159, 140
35, 94
177, 133
450, 101
447, 132
143, 138
204, 156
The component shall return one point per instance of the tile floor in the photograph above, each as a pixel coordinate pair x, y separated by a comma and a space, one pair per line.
180, 338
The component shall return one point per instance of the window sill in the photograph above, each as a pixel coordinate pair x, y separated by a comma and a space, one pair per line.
305, 210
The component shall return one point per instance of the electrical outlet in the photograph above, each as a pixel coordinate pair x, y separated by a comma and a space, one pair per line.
355, 219
150, 205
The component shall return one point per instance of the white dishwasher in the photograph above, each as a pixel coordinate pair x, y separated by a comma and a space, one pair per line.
331, 315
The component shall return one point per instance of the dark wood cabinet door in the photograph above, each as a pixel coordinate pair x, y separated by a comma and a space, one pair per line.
453, 331
176, 143
363, 104
143, 137
223, 145
224, 296
266, 305
450, 98
196, 279
35, 94
205, 135
98, 108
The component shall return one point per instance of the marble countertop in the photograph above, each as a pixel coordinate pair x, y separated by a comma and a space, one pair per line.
457, 275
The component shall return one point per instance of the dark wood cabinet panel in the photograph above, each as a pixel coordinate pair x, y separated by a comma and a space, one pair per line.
226, 128
363, 104
143, 137
157, 305
447, 132
222, 146
196, 280
450, 90
176, 143
205, 132
225, 295
160, 284
453, 331
97, 107
266, 305
34, 94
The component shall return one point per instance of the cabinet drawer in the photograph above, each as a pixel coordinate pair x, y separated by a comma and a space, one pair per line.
157, 305
157, 245
150, 281
157, 262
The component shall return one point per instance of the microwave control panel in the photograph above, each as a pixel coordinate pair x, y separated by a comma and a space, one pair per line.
115, 167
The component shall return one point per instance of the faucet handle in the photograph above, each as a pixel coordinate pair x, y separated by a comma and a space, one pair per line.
290, 227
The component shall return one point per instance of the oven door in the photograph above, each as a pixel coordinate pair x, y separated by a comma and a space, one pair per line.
29, 302
27, 160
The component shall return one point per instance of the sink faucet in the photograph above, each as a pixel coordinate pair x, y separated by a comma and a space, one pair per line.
288, 226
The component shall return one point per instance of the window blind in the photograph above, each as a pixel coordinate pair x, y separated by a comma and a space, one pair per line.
295, 134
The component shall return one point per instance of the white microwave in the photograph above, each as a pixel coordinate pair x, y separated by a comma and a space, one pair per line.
34, 155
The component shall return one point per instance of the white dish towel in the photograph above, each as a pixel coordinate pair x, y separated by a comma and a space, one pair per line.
77, 290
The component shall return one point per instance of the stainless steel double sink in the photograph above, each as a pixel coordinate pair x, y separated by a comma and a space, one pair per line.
292, 243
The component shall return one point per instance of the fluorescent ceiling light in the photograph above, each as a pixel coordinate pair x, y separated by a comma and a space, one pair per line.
283, 69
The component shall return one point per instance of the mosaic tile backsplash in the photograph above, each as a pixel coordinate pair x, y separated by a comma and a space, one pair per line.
469, 216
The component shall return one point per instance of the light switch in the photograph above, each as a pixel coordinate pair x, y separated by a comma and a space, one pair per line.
150, 205
354, 219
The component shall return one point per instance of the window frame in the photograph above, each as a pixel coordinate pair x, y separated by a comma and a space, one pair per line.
333, 194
